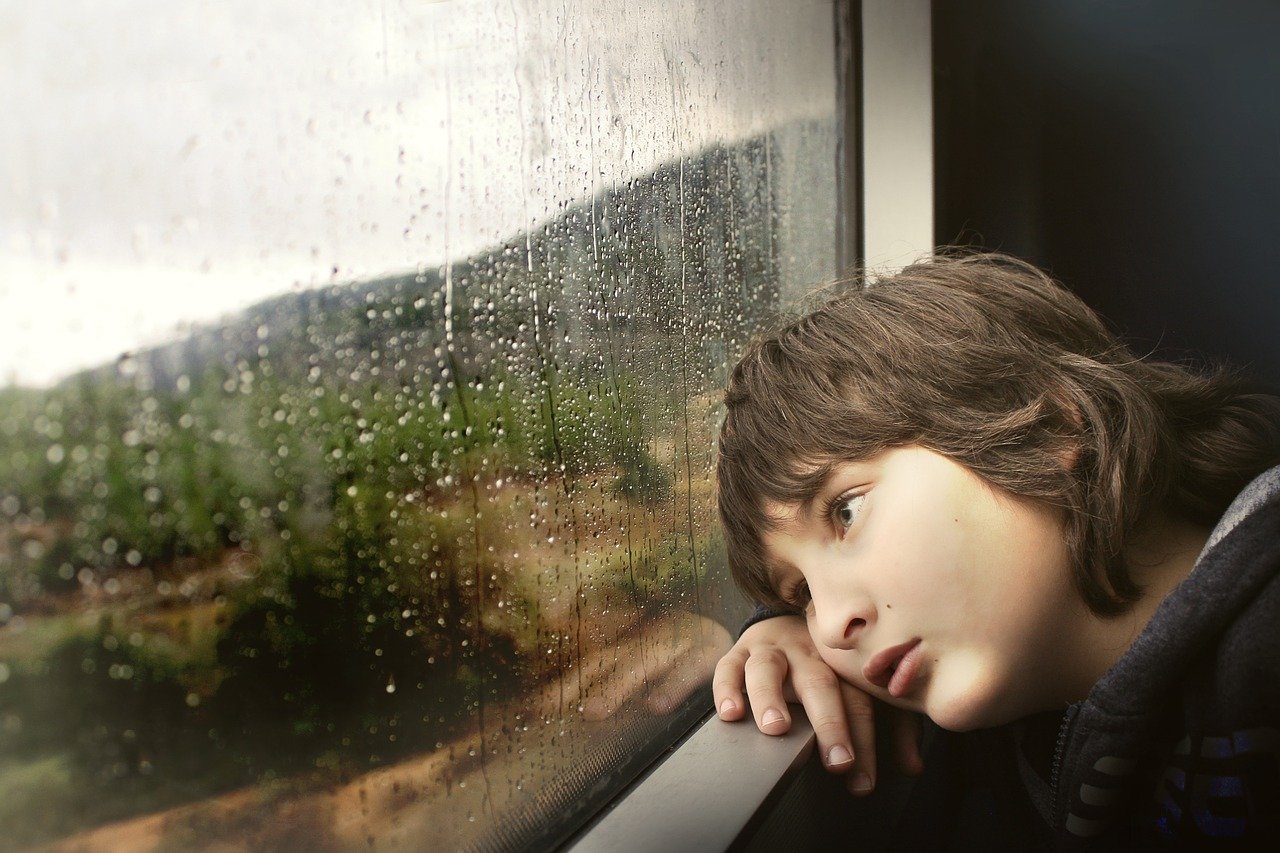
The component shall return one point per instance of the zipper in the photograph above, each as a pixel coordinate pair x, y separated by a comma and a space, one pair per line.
1059, 752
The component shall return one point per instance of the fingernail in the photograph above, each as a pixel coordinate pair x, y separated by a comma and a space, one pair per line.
838, 755
862, 783
727, 707
771, 716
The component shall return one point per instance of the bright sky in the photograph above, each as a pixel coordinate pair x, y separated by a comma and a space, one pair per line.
164, 162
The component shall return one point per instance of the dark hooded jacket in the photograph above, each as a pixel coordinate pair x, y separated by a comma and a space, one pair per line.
1180, 740
1177, 745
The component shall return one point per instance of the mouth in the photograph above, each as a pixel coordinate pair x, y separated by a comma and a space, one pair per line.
894, 668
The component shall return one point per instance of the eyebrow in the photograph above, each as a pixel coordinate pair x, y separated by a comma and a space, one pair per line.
819, 482
812, 484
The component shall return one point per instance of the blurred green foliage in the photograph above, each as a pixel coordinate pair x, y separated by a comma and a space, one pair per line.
335, 439
367, 624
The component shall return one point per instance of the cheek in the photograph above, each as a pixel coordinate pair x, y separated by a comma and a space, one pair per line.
1027, 576
923, 560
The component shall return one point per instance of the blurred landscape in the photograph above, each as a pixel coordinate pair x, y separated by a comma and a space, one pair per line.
389, 524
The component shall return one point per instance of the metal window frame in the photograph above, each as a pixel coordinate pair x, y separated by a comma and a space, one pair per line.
715, 787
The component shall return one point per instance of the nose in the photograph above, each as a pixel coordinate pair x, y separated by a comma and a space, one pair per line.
840, 623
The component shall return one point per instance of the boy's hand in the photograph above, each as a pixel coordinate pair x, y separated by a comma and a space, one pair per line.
778, 663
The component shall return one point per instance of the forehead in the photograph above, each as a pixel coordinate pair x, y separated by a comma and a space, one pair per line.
803, 481
781, 517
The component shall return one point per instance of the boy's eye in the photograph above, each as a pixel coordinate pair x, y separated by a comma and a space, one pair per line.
846, 509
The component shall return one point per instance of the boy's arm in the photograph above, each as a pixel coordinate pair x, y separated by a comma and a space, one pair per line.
776, 661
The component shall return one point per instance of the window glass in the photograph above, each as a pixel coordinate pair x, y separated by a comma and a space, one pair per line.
360, 387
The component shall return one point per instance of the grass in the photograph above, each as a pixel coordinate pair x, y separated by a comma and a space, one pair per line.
24, 648
36, 798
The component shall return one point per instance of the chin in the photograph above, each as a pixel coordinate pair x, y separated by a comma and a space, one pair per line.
964, 710
954, 721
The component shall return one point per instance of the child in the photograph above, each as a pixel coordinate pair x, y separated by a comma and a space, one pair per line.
980, 506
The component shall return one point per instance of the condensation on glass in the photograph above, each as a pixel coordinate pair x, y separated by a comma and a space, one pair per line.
361, 368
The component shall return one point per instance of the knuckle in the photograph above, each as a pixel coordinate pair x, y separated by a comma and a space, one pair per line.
817, 679
860, 713
768, 658
856, 697
727, 670
764, 690
829, 725
725, 688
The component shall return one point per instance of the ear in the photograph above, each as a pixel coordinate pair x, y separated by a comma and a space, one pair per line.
1069, 454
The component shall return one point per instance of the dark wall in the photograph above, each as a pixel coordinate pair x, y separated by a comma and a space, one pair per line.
1133, 148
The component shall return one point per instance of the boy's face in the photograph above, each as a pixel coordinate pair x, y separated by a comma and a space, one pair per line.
930, 588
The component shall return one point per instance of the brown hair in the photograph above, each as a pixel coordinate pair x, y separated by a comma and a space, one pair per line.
986, 360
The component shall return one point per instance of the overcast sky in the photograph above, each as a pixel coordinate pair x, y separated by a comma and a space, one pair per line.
167, 161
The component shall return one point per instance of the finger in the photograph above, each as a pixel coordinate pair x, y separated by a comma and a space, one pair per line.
726, 685
906, 730
765, 672
818, 689
860, 710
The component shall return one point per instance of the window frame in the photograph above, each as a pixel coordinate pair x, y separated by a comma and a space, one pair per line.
718, 785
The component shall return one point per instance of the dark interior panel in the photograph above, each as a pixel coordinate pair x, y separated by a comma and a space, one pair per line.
1132, 148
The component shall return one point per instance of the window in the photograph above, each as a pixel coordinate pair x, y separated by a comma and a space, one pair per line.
361, 363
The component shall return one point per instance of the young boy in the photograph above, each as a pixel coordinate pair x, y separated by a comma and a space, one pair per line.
953, 490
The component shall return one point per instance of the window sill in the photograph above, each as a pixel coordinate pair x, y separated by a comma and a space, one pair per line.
708, 793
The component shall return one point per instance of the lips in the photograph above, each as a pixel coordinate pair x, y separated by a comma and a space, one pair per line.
894, 668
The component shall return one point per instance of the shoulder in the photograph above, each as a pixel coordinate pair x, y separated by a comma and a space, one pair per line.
1229, 755
1242, 558
1258, 499
1246, 661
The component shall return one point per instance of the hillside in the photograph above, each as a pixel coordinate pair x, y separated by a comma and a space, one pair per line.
350, 525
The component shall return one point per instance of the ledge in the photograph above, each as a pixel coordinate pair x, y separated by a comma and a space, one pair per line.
713, 786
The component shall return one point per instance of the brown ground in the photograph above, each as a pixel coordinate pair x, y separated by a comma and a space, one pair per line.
632, 665
438, 801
